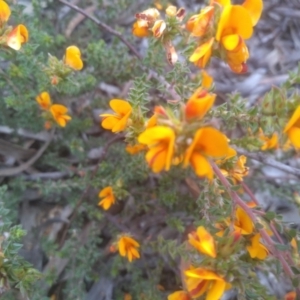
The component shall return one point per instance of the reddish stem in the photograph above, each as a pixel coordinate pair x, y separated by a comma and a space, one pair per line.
235, 197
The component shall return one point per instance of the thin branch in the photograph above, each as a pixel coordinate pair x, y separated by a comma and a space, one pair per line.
16, 170
103, 26
120, 36
270, 162
235, 197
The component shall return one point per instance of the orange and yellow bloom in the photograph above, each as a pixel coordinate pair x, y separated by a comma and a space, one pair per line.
199, 24
4, 13
59, 114
160, 141
203, 241
117, 122
145, 20
17, 37
107, 197
257, 249
242, 222
44, 100
292, 128
200, 281
128, 247
207, 142
269, 143
73, 58
202, 54
199, 104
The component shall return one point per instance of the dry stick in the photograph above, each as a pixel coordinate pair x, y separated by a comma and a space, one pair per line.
16, 170
270, 161
235, 197
87, 189
119, 35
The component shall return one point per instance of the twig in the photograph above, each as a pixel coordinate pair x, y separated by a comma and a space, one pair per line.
103, 26
87, 189
270, 162
235, 197
119, 35
16, 170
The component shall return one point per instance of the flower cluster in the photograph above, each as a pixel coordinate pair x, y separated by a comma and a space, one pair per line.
207, 279
222, 29
149, 23
188, 139
11, 37
52, 112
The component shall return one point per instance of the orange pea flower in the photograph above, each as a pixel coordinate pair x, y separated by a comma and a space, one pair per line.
59, 113
199, 24
238, 171
207, 80
242, 222
269, 143
207, 142
199, 104
292, 128
160, 141
108, 197
73, 58
4, 13
140, 31
203, 241
128, 247
17, 37
179, 295
201, 281
257, 249
44, 100
117, 122
144, 21
202, 54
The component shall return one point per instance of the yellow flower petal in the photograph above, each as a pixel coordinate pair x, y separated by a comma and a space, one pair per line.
216, 290
44, 100
203, 242
202, 54
199, 104
294, 120
230, 41
201, 166
243, 222
59, 113
203, 274
127, 247
211, 142
121, 107
207, 80
254, 7
294, 136
4, 12
235, 19
73, 58
160, 140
